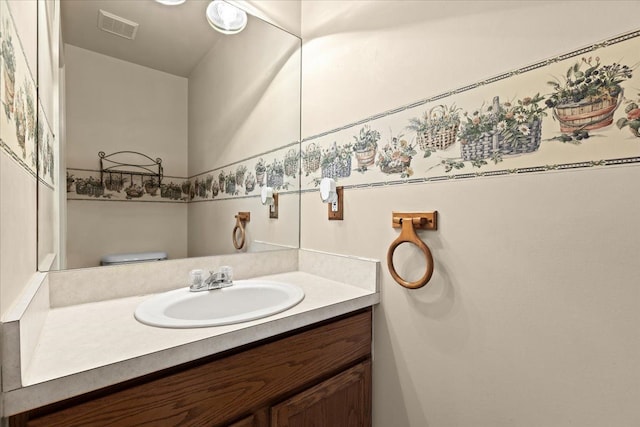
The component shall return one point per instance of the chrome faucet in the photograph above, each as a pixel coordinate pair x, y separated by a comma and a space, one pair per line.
216, 280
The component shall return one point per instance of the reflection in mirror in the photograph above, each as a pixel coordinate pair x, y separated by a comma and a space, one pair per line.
168, 129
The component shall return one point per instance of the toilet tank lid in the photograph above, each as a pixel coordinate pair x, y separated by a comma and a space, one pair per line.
133, 257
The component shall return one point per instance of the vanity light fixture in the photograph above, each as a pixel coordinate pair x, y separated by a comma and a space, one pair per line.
222, 16
171, 2
225, 17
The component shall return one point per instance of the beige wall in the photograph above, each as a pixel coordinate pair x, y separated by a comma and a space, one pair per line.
24, 14
18, 246
48, 45
17, 229
244, 97
283, 13
253, 109
49, 98
47, 227
113, 105
18, 249
216, 221
95, 229
531, 316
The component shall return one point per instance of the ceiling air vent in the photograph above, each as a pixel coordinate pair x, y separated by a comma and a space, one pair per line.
116, 25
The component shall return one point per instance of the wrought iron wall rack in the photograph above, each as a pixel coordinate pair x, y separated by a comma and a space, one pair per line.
131, 163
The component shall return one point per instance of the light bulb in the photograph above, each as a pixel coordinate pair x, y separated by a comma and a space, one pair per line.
170, 2
225, 17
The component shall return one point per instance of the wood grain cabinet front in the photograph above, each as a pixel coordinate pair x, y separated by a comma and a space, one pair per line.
318, 376
341, 401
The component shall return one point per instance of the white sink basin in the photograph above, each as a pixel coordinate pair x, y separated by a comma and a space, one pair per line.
245, 300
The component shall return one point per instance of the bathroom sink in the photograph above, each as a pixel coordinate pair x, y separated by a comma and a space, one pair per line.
245, 300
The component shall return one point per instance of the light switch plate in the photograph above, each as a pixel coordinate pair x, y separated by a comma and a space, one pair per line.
338, 213
273, 209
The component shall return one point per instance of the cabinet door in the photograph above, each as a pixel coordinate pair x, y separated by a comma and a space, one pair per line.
246, 422
341, 401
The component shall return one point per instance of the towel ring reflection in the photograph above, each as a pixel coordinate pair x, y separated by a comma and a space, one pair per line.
408, 235
239, 244
241, 218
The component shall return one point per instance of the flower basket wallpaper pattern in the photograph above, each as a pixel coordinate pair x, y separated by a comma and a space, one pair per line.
437, 129
236, 180
279, 169
85, 184
581, 109
577, 110
502, 129
25, 132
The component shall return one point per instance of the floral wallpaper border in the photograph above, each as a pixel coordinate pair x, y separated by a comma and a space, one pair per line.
25, 134
576, 110
516, 122
278, 168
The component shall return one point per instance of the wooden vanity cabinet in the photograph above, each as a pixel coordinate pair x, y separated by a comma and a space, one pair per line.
317, 376
342, 400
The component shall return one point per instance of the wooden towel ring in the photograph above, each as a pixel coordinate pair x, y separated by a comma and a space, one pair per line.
241, 218
408, 235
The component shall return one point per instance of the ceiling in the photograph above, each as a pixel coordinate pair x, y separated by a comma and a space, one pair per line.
172, 39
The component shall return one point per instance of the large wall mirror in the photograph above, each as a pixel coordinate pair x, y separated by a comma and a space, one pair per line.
167, 129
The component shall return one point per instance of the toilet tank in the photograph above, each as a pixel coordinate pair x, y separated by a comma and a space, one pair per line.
115, 259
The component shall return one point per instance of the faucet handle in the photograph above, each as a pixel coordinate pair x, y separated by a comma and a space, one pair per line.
196, 281
227, 273
195, 277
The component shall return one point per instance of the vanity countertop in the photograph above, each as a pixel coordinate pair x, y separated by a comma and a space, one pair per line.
89, 346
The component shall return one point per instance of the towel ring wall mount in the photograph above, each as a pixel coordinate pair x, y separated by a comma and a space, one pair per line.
241, 219
409, 222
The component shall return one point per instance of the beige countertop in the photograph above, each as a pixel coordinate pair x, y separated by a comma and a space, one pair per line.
88, 346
